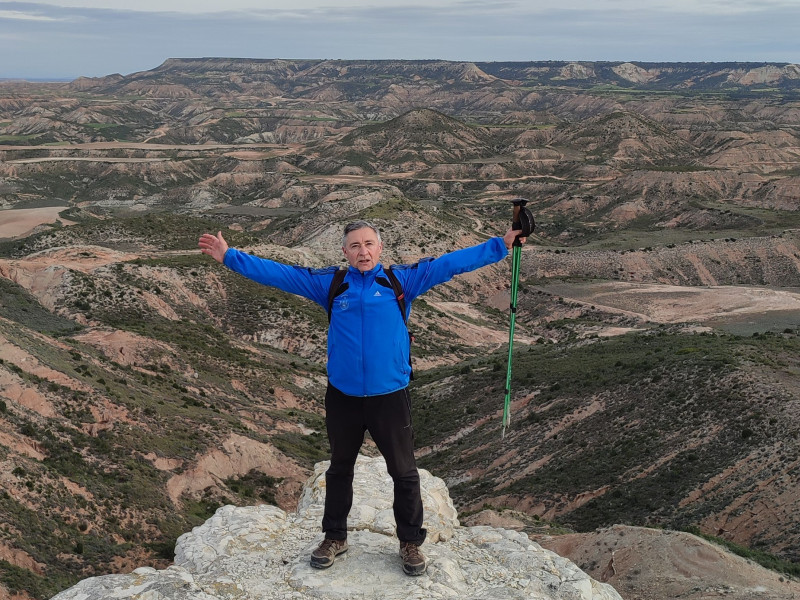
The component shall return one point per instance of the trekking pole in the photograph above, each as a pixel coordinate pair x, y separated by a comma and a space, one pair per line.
523, 220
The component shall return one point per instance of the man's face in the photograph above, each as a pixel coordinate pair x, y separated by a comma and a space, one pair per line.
362, 249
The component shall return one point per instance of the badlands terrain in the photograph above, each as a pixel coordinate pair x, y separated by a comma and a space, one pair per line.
655, 375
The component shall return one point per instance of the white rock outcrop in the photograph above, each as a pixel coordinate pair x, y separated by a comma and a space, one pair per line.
262, 552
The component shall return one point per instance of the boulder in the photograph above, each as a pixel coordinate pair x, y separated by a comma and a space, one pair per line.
262, 552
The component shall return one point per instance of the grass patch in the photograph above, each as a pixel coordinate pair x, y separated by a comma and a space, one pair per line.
605, 413
193, 338
99, 125
255, 485
159, 230
389, 209
5, 139
680, 168
306, 449
22, 581
19, 305
111, 131
577, 371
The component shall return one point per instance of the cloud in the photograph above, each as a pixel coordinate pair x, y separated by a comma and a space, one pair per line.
708, 7
71, 41
23, 16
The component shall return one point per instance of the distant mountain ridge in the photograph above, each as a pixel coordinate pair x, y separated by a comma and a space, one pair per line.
294, 76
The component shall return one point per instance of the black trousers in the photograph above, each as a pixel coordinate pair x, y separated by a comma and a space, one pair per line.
388, 419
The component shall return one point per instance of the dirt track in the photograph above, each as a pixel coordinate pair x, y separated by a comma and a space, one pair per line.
149, 146
44, 159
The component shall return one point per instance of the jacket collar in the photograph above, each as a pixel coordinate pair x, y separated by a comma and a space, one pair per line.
372, 272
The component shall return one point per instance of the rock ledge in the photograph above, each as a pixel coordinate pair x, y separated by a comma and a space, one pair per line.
261, 552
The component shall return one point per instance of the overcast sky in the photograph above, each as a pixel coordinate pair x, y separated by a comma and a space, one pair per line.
70, 38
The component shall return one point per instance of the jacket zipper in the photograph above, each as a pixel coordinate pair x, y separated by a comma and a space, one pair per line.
363, 337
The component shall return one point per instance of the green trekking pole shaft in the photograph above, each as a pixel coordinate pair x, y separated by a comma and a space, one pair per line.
515, 261
522, 221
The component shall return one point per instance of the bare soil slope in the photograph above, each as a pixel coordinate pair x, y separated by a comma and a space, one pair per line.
649, 564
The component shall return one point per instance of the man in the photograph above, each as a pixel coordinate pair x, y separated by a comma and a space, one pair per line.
368, 367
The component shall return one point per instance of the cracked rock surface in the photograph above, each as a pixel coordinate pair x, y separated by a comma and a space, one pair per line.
261, 552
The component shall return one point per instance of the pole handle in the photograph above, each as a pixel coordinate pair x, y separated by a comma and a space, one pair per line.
522, 220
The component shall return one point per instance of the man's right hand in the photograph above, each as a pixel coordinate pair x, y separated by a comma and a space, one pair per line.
213, 245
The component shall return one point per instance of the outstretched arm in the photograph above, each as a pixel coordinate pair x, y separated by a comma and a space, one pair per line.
213, 245
419, 278
309, 283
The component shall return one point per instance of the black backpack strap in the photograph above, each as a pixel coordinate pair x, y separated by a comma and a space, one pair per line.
394, 283
338, 287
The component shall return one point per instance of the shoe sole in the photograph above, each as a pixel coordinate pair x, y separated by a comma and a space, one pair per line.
319, 565
416, 571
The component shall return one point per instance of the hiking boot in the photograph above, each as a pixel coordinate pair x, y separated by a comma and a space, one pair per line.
413, 560
326, 553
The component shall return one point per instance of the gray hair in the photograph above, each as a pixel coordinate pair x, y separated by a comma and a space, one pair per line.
355, 226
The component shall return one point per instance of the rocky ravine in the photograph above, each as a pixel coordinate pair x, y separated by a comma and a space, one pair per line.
261, 552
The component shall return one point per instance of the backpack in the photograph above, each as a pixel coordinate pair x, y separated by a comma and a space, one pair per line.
339, 286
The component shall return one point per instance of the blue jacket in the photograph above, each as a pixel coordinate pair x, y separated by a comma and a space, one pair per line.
368, 343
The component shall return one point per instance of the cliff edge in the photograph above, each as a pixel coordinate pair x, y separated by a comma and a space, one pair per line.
261, 552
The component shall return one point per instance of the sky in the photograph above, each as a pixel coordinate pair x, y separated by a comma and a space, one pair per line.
65, 39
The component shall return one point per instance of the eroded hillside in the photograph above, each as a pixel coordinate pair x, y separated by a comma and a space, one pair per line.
143, 385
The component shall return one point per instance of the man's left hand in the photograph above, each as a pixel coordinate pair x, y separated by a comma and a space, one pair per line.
511, 235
